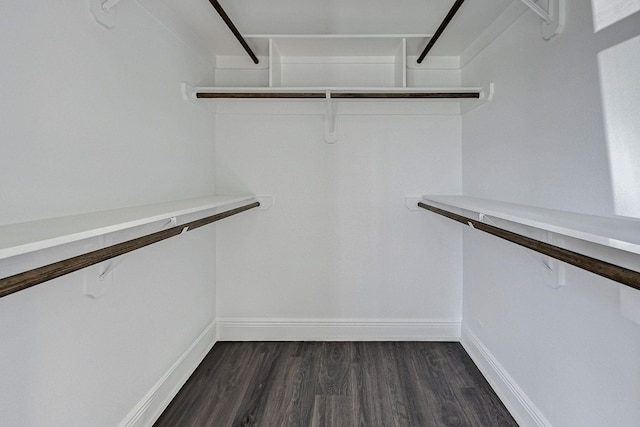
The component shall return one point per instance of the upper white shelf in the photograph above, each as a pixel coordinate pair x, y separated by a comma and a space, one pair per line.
614, 232
309, 45
21, 238
337, 89
337, 61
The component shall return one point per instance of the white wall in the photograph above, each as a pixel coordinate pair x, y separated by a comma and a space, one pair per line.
339, 256
543, 142
93, 119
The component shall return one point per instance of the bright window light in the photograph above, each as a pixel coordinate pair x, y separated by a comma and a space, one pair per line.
620, 86
607, 12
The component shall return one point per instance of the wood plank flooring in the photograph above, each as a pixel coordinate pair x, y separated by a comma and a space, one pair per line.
325, 384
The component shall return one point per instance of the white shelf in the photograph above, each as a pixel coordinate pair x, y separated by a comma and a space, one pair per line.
338, 60
21, 238
306, 45
614, 232
336, 89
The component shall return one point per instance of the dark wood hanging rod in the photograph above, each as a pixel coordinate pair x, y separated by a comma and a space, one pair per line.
27, 279
614, 272
440, 30
216, 5
339, 95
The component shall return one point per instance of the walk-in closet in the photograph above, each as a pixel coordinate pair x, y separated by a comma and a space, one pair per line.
320, 213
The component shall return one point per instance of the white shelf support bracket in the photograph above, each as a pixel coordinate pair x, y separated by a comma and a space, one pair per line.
553, 17
99, 278
266, 202
554, 270
487, 92
486, 95
188, 92
556, 267
411, 202
104, 12
330, 121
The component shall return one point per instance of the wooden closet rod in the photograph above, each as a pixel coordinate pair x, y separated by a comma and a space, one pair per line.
343, 95
622, 275
234, 30
39, 275
440, 30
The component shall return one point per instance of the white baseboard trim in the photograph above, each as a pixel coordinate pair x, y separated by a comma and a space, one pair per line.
337, 330
514, 398
150, 407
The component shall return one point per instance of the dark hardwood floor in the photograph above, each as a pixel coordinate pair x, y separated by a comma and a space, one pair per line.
322, 384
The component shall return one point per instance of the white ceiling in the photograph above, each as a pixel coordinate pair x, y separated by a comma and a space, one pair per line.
338, 17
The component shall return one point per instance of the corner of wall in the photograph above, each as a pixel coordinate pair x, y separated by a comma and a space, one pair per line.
155, 401
338, 330
514, 398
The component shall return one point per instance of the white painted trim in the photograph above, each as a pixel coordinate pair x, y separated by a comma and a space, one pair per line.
149, 408
514, 398
338, 330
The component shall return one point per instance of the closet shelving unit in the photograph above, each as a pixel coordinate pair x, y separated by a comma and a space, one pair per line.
335, 66
341, 68
611, 232
28, 237
25, 237
615, 232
